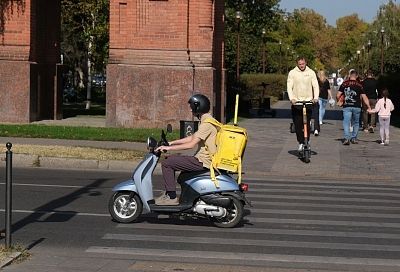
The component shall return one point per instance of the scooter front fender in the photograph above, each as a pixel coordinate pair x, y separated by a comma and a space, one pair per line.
128, 185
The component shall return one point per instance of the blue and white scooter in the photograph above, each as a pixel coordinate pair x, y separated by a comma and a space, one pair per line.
200, 197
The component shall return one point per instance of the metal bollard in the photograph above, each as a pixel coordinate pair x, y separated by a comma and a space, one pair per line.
8, 194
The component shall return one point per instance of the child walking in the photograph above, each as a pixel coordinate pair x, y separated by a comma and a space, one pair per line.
384, 107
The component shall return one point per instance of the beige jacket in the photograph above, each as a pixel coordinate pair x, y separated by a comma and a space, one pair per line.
300, 84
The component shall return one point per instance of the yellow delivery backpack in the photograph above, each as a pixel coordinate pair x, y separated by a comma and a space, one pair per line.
231, 142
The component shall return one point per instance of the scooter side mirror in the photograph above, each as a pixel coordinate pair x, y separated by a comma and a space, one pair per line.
169, 128
151, 143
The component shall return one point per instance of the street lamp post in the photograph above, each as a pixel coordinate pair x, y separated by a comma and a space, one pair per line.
363, 58
238, 18
286, 59
280, 57
382, 38
358, 60
368, 48
263, 50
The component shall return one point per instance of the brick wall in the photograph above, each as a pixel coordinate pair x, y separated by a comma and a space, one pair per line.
170, 49
29, 51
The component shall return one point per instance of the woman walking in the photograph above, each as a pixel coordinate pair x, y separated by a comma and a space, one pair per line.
324, 94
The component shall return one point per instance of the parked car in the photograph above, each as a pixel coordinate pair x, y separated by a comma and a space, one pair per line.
99, 80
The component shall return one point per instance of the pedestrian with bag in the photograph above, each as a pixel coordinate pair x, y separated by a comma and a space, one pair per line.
325, 94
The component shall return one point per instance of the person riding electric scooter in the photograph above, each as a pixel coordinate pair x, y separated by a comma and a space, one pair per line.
199, 197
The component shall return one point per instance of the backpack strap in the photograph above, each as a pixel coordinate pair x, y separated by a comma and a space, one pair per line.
213, 122
212, 166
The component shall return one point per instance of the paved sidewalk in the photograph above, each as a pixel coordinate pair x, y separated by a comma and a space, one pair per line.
271, 150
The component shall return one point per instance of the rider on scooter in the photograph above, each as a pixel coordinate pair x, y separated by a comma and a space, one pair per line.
204, 138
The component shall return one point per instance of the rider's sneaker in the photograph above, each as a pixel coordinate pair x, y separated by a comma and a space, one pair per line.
161, 197
316, 133
164, 199
346, 142
300, 148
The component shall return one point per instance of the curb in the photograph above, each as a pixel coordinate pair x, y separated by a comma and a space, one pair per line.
9, 259
36, 161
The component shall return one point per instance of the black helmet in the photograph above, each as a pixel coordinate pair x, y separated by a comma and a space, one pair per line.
199, 104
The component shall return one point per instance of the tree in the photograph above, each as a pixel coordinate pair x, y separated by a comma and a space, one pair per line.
349, 34
84, 32
257, 14
389, 19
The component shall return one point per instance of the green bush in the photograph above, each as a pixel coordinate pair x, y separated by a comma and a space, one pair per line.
259, 86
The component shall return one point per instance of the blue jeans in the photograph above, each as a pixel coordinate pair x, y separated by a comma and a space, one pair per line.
322, 106
351, 116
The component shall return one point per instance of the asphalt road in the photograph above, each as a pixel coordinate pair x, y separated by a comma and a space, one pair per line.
293, 225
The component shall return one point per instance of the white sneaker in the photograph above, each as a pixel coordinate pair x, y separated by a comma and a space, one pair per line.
382, 142
386, 142
300, 148
316, 133
320, 123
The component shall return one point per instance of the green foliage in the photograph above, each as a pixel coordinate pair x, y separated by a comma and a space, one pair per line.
84, 28
259, 86
256, 16
81, 133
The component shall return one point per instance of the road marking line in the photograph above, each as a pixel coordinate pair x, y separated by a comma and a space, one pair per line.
293, 191
320, 205
322, 222
295, 232
327, 213
249, 242
329, 185
60, 212
334, 199
244, 258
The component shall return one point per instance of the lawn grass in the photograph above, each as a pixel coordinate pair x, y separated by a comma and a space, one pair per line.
82, 133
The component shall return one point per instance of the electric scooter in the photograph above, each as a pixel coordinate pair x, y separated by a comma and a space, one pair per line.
305, 153
200, 197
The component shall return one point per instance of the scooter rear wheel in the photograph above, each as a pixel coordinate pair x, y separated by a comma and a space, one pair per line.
233, 216
125, 208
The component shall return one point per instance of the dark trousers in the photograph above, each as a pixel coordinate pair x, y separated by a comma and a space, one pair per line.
297, 115
367, 118
315, 116
175, 163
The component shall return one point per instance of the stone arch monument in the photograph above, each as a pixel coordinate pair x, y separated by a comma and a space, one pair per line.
161, 52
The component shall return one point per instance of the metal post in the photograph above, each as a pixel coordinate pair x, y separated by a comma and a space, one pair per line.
8, 194
238, 53
238, 17
280, 57
263, 49
382, 33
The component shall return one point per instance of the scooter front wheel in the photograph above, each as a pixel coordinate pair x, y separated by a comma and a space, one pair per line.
125, 208
233, 216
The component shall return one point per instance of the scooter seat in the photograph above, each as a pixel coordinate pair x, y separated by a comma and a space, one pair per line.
183, 176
